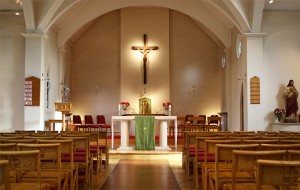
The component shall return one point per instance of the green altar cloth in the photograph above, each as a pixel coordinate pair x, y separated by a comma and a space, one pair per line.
144, 133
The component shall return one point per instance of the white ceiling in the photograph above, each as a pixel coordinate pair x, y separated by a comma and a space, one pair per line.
9, 5
278, 5
283, 5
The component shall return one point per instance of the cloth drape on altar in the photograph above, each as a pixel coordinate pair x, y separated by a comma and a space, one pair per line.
144, 133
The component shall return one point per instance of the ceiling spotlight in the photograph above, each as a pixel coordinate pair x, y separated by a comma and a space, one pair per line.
271, 1
17, 13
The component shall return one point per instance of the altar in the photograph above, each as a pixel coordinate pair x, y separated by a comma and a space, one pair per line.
163, 131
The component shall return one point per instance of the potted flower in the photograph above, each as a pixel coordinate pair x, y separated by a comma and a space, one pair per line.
125, 105
279, 113
166, 105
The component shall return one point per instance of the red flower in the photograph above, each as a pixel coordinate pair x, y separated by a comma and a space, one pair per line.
166, 104
125, 105
279, 112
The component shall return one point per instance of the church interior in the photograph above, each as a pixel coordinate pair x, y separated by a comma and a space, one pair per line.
122, 90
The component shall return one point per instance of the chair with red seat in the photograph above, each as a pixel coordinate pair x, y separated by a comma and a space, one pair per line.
101, 122
78, 123
88, 121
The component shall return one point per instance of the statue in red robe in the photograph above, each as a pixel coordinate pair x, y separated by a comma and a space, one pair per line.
291, 95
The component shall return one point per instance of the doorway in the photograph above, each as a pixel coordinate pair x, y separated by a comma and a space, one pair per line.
242, 109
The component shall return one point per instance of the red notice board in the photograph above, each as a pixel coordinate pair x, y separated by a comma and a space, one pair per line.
32, 92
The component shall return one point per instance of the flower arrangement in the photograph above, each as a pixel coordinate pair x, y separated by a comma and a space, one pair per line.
279, 113
125, 105
166, 105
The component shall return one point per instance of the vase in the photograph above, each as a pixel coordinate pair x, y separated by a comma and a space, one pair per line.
276, 119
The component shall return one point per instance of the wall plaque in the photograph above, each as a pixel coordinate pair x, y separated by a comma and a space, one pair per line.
32, 91
255, 90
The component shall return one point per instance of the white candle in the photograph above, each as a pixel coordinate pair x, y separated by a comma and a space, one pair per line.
119, 107
170, 107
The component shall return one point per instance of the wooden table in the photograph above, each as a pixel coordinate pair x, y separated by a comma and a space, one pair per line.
53, 121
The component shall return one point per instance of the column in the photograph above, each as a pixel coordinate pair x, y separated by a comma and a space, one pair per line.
125, 136
34, 66
61, 73
254, 67
163, 136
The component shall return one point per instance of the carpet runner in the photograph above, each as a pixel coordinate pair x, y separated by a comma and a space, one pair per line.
141, 175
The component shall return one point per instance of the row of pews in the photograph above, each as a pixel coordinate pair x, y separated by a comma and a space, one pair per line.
51, 160
242, 160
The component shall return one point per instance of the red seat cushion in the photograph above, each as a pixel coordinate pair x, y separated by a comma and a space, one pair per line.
75, 158
210, 158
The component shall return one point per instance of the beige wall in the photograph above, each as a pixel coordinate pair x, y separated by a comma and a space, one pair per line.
155, 23
102, 58
195, 69
95, 66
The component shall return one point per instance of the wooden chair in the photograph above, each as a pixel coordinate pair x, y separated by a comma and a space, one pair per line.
280, 146
11, 137
67, 165
293, 154
246, 161
20, 163
17, 140
102, 123
197, 156
8, 147
213, 123
51, 172
195, 123
180, 127
223, 163
4, 175
78, 123
104, 149
189, 141
25, 131
81, 158
190, 150
95, 151
260, 141
88, 121
272, 175
208, 164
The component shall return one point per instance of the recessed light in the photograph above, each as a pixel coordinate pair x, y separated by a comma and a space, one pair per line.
271, 1
17, 13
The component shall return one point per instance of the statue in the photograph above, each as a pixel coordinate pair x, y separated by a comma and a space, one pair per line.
291, 95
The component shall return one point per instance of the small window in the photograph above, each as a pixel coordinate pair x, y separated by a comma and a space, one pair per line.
223, 59
238, 46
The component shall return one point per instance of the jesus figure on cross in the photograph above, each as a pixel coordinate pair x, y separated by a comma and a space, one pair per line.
145, 50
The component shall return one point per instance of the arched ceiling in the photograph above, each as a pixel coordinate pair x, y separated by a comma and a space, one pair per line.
216, 16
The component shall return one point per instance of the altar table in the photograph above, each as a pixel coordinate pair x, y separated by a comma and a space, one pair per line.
163, 134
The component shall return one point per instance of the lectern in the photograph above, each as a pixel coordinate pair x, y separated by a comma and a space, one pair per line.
63, 107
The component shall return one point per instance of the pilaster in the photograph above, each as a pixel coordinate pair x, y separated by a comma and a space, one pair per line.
34, 66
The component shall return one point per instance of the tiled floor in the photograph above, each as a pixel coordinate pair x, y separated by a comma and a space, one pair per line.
173, 157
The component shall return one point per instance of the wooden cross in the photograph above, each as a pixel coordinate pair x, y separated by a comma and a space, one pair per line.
145, 50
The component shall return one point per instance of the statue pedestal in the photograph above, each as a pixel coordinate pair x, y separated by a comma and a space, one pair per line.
290, 121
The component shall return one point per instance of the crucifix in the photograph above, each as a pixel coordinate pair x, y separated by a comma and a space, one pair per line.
145, 50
